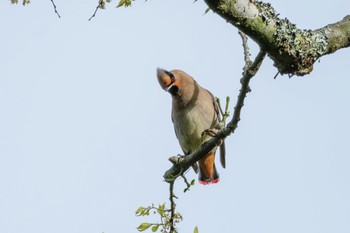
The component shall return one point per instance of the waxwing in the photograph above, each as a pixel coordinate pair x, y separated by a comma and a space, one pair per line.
194, 110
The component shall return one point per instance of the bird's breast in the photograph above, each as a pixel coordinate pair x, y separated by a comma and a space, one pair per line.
189, 124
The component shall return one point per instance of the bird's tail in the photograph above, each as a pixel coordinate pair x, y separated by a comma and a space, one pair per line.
212, 180
207, 170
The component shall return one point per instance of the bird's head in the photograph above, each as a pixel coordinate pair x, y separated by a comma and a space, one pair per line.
176, 82
166, 79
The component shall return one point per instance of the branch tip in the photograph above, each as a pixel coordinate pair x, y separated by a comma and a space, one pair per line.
100, 4
55, 8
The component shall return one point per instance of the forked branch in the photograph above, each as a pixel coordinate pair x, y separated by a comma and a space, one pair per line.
293, 50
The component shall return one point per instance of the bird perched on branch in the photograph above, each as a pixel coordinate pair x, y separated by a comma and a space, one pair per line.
194, 113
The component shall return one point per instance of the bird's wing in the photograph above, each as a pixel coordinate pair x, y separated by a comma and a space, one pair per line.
222, 146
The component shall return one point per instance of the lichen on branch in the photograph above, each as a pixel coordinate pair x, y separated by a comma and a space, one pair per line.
293, 50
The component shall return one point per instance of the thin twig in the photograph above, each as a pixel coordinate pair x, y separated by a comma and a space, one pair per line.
247, 61
246, 53
98, 6
226, 113
187, 183
251, 71
55, 8
172, 207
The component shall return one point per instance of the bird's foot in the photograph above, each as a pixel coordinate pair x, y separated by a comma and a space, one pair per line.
212, 133
176, 159
209, 132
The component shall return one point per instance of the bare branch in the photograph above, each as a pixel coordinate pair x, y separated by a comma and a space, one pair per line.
55, 8
246, 53
251, 72
223, 113
100, 5
185, 163
247, 60
172, 207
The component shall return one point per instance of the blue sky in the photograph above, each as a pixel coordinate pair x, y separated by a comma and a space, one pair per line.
85, 130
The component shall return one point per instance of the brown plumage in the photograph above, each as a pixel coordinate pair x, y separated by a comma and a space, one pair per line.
194, 110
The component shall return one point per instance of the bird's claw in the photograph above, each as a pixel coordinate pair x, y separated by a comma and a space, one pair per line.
209, 132
176, 159
212, 133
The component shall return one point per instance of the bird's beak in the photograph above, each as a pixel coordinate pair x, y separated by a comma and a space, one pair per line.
166, 79
168, 87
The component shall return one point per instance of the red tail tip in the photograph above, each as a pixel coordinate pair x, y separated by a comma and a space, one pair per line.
206, 182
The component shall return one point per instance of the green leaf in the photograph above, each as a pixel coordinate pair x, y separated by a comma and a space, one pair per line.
155, 228
125, 3
195, 230
140, 211
161, 209
143, 226
162, 206
102, 4
121, 3
193, 182
207, 10
146, 212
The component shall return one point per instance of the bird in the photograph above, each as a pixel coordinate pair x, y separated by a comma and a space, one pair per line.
194, 112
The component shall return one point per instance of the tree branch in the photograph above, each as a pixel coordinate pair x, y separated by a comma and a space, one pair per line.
101, 4
247, 60
172, 207
338, 34
181, 164
293, 50
55, 8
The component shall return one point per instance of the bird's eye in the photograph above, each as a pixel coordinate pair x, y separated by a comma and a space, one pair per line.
174, 90
171, 75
